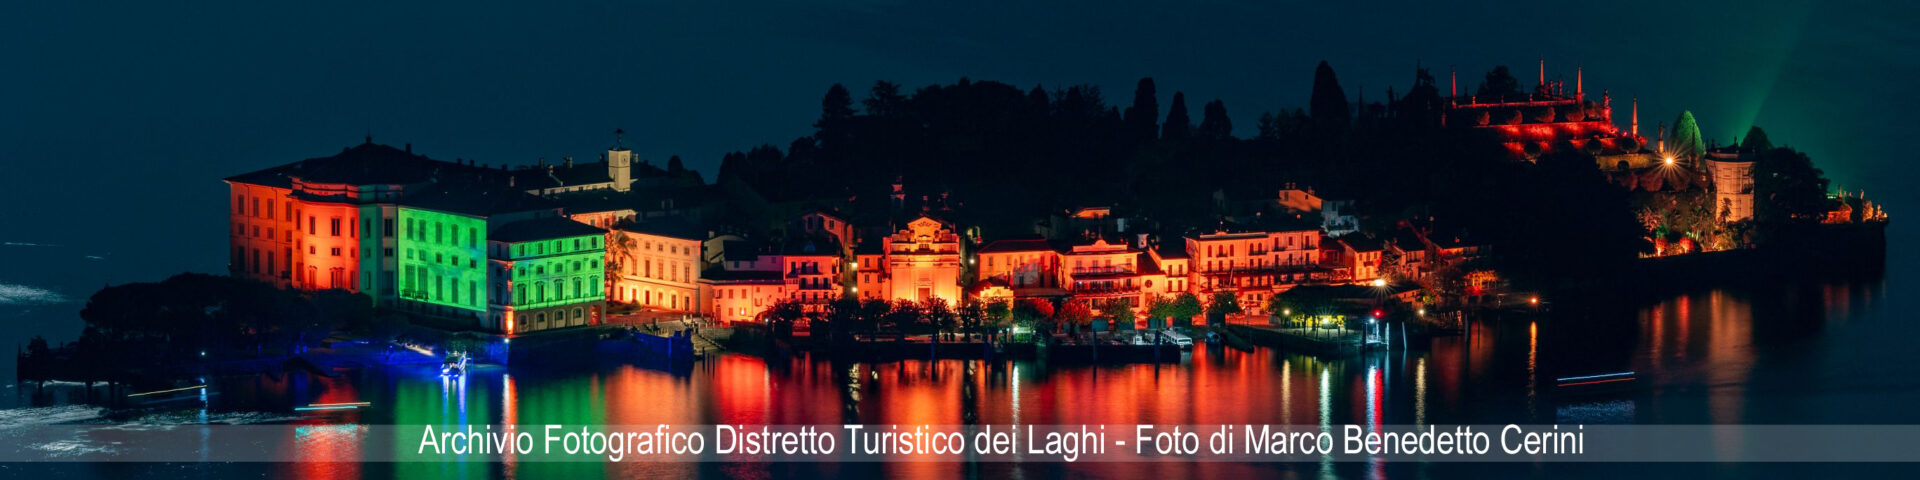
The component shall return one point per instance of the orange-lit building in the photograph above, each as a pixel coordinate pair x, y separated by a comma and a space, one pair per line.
923, 262
1019, 268
1354, 257
1099, 272
752, 278
1256, 262
655, 265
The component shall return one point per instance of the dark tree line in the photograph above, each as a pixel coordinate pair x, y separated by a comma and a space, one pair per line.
1022, 154
191, 318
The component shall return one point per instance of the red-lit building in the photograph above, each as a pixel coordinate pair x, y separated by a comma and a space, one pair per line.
1550, 118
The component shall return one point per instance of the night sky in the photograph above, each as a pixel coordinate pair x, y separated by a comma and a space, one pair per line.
117, 122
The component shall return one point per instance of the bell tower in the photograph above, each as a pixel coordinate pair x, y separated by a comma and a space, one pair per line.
620, 163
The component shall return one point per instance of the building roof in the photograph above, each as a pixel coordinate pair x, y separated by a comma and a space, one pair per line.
563, 175
477, 198
1361, 242
1017, 245
1146, 265
740, 250
1171, 249
365, 164
667, 227
542, 229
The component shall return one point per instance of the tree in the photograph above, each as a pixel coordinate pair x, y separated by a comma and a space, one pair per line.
786, 312
1158, 310
1183, 308
1756, 140
997, 312
1034, 313
1214, 123
834, 129
836, 107
1142, 117
1787, 188
1221, 304
873, 312
1328, 105
972, 316
903, 316
1302, 301
1074, 313
938, 315
1499, 83
674, 165
1177, 125
1120, 312
1685, 141
842, 316
884, 100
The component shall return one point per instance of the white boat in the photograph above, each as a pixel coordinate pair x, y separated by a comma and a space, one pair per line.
1176, 338
454, 366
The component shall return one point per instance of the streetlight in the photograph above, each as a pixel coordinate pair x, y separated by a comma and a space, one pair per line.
1379, 283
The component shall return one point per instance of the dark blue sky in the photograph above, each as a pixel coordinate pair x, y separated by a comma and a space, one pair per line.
117, 121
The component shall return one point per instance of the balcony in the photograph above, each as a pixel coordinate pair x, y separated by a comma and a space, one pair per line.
1103, 271
1094, 290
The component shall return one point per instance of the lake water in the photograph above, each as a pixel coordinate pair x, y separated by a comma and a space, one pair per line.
1792, 352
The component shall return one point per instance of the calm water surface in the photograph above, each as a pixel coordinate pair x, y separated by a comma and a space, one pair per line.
1792, 352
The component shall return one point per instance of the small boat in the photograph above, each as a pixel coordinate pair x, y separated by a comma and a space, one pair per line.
193, 393
1598, 384
455, 365
331, 406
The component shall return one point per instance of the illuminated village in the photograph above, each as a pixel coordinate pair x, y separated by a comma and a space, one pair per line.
514, 250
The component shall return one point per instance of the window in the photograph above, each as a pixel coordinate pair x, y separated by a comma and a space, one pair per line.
472, 234
334, 226
239, 204
310, 229
386, 227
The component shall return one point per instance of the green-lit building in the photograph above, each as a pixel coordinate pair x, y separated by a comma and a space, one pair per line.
497, 259
550, 273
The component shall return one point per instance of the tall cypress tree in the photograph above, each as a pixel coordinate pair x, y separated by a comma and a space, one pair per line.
1328, 106
1141, 117
1214, 122
1685, 138
836, 111
1177, 125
